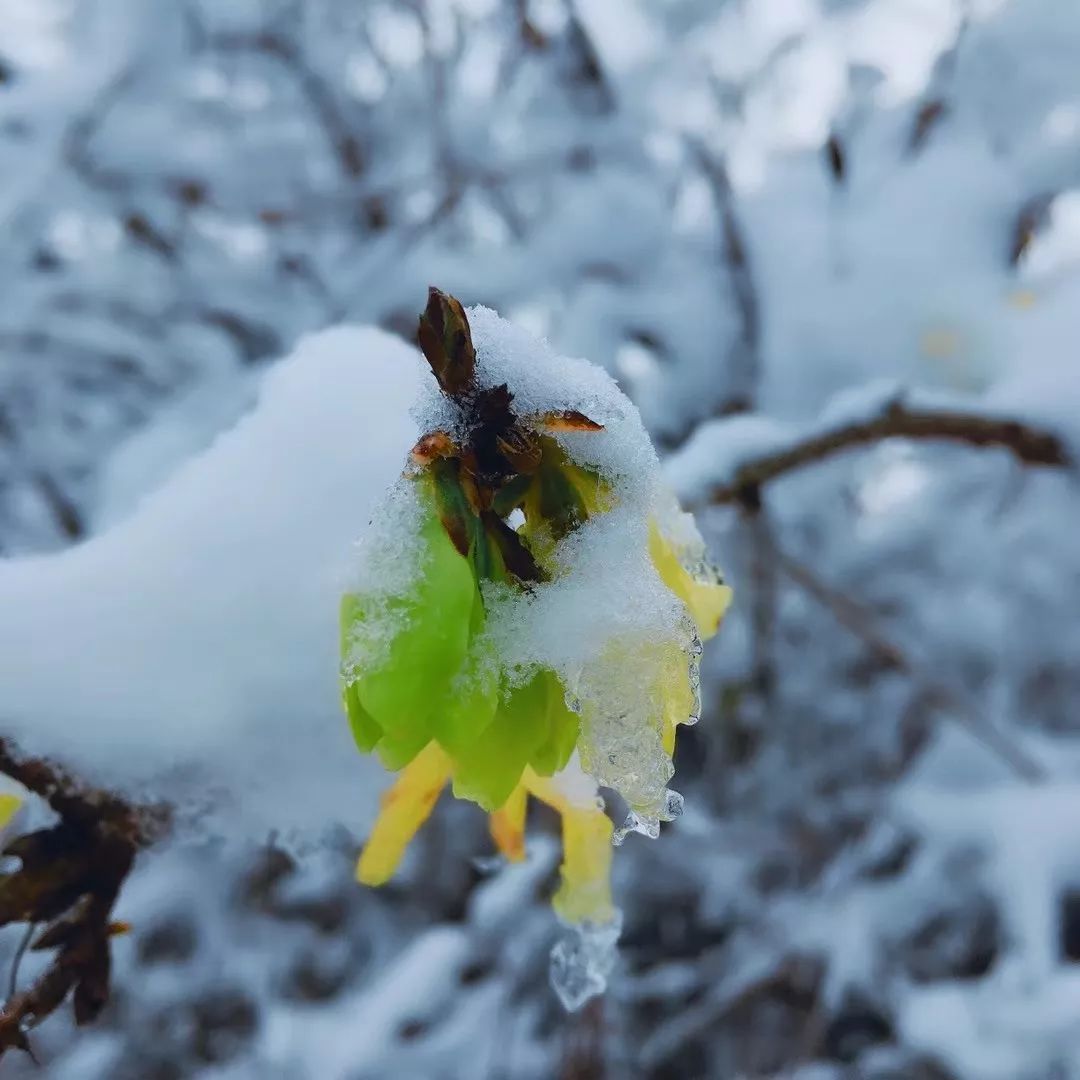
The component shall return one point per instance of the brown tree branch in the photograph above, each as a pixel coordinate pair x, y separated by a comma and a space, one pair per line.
1030, 445
69, 877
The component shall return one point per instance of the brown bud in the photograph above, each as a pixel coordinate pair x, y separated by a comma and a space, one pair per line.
446, 341
434, 445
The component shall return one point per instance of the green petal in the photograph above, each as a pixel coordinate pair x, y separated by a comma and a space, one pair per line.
365, 731
469, 707
490, 769
397, 748
563, 727
430, 644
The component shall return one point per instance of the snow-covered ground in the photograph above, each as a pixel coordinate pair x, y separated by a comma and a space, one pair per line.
767, 219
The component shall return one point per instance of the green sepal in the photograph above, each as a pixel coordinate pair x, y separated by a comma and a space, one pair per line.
452, 505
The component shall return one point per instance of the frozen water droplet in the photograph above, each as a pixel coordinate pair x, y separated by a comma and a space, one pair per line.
582, 960
674, 805
634, 823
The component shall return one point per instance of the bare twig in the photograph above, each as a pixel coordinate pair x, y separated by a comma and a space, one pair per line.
583, 1055
935, 105
763, 599
69, 877
1029, 444
16, 960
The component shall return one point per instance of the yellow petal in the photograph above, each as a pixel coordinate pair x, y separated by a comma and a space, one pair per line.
404, 808
585, 892
9, 805
507, 825
706, 600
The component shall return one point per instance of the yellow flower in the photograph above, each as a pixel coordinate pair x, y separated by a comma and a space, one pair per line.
584, 895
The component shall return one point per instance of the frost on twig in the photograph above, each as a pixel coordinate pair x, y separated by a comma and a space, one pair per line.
68, 879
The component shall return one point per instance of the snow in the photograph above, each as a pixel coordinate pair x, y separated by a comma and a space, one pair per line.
834, 808
200, 632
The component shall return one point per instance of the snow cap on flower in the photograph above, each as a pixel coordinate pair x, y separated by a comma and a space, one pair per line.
530, 598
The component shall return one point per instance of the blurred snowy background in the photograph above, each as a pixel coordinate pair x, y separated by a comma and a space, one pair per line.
765, 218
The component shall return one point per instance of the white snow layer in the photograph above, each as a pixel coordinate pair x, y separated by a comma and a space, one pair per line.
200, 633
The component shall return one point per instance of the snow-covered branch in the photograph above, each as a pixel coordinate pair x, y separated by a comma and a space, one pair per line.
896, 419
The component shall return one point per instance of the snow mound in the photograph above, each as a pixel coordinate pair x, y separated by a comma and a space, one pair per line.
199, 635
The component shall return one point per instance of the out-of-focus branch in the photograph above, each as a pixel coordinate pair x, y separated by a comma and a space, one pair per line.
860, 622
745, 359
744, 367
69, 877
1029, 444
315, 88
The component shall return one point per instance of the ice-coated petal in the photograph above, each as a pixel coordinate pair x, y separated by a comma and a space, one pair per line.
404, 808
706, 600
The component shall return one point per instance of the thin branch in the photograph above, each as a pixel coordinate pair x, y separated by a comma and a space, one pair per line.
1029, 444
69, 877
744, 368
860, 622
16, 961
745, 358
316, 89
